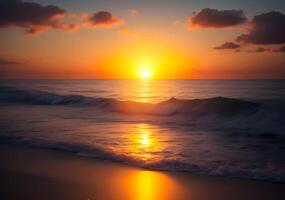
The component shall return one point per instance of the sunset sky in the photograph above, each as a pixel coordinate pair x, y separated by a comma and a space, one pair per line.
128, 39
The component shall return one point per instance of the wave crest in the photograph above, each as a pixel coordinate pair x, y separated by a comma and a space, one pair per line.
173, 106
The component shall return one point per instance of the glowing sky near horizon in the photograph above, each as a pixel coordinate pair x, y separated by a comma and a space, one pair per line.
112, 39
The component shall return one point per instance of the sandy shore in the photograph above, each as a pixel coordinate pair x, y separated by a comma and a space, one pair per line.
31, 173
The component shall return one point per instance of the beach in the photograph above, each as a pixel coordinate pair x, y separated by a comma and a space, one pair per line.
34, 173
142, 100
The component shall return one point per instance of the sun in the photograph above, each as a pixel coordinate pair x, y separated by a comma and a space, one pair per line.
145, 74
145, 68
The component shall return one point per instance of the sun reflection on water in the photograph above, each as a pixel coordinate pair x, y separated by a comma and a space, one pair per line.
145, 185
140, 142
145, 90
149, 185
143, 143
145, 140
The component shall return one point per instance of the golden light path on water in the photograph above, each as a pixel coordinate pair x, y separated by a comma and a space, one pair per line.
145, 90
150, 90
143, 143
149, 185
146, 181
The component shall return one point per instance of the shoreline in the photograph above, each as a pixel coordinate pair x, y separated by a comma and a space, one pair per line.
34, 173
133, 164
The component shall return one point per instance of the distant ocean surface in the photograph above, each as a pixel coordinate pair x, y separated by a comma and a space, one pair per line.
221, 128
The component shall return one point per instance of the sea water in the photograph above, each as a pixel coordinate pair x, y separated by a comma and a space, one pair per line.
222, 127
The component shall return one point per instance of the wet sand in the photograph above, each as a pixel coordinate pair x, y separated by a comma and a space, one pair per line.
32, 173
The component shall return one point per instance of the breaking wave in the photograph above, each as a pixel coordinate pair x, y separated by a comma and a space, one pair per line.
173, 106
234, 113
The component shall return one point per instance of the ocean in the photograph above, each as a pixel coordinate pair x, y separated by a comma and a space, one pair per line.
228, 128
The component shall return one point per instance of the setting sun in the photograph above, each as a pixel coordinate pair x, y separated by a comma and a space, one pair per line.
145, 74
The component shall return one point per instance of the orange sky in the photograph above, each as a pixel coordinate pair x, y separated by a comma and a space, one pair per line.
131, 40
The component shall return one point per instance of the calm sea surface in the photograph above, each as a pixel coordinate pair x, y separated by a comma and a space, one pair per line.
159, 90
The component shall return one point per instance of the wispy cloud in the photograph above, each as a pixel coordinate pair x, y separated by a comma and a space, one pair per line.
259, 50
133, 11
281, 49
8, 62
227, 45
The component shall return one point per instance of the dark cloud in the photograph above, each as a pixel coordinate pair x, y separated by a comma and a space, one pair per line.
103, 19
33, 17
8, 62
259, 50
268, 28
212, 18
281, 49
227, 45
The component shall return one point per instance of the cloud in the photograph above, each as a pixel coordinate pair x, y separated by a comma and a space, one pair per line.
227, 45
268, 28
102, 19
8, 62
281, 49
133, 11
32, 17
259, 50
212, 18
